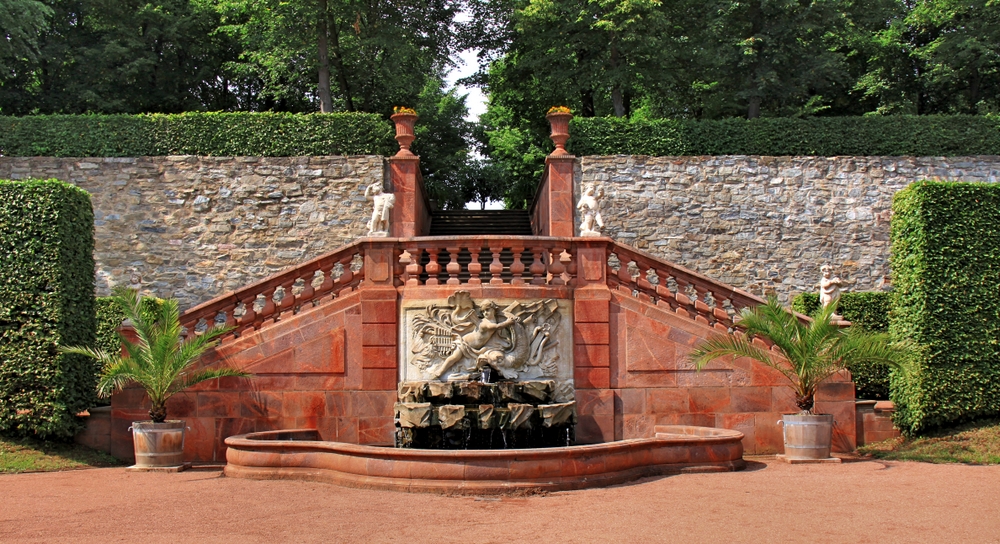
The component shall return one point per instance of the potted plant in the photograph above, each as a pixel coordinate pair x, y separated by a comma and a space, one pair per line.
160, 360
405, 118
559, 117
807, 353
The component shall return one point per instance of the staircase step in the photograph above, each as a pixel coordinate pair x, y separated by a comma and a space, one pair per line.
472, 222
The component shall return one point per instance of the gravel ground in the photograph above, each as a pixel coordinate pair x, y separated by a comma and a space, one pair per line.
855, 502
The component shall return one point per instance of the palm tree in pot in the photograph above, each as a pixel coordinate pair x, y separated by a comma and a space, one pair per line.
160, 361
808, 352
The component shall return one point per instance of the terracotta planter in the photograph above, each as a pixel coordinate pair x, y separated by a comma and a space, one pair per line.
560, 131
158, 444
404, 132
808, 436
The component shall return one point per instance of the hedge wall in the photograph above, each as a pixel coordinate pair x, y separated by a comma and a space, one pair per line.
869, 310
46, 300
946, 272
926, 135
210, 134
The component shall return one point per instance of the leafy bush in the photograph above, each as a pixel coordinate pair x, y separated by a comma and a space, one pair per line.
46, 300
211, 134
927, 135
870, 311
946, 274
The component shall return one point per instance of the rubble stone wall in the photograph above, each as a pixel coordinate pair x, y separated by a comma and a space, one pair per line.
197, 227
766, 224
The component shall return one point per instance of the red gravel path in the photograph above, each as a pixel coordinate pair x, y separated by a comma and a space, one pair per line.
771, 502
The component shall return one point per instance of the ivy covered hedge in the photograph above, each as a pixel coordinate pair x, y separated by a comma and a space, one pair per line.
946, 273
870, 311
896, 135
46, 300
208, 134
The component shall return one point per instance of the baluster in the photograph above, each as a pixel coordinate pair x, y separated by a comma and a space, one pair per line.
475, 268
249, 314
433, 268
346, 275
556, 267
413, 267
571, 269
268, 309
496, 267
537, 266
230, 313
327, 284
516, 267
624, 274
287, 298
307, 289
453, 267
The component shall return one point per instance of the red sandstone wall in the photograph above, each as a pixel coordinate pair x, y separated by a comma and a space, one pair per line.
651, 383
334, 368
321, 368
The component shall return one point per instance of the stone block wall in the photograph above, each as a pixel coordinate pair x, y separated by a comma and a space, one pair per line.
197, 227
766, 224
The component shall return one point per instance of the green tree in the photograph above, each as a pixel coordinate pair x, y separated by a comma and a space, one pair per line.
21, 21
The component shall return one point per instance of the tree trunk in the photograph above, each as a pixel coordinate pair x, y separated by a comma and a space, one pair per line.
616, 90
975, 83
587, 100
338, 63
753, 111
325, 100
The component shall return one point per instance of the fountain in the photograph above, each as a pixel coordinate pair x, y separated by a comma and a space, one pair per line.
485, 405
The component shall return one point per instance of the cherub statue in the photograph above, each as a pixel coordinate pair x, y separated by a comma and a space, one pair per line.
378, 225
590, 210
829, 287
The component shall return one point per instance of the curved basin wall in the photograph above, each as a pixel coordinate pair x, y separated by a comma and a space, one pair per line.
300, 454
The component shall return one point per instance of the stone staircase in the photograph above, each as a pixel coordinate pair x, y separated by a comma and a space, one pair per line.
476, 222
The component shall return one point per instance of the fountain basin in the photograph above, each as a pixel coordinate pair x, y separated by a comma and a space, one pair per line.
300, 454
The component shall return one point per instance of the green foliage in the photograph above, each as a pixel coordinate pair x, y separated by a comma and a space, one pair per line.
20, 23
215, 134
46, 300
811, 352
931, 135
870, 311
946, 270
161, 360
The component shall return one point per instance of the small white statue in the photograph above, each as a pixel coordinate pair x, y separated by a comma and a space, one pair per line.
590, 210
829, 288
378, 225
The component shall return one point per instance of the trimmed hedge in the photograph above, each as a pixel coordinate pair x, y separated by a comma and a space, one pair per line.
896, 135
206, 134
46, 300
946, 272
870, 311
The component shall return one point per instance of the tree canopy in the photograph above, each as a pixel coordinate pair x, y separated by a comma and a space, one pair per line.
695, 59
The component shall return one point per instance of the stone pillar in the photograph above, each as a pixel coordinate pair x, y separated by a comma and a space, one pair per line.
591, 344
411, 214
379, 316
559, 170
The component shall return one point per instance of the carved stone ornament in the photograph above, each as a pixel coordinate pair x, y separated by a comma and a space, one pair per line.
589, 207
378, 225
460, 339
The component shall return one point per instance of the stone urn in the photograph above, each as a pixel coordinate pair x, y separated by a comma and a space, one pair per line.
560, 130
158, 445
404, 132
807, 436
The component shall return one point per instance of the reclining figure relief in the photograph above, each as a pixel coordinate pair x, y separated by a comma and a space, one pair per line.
463, 339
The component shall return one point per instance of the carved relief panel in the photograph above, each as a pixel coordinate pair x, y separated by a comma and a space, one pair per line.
461, 339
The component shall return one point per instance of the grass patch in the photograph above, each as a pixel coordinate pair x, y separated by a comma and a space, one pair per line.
31, 455
976, 443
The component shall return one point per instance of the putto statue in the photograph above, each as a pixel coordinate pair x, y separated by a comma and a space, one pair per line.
589, 207
829, 287
466, 339
378, 225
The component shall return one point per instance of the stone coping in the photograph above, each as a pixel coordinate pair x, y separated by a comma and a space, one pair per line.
299, 454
